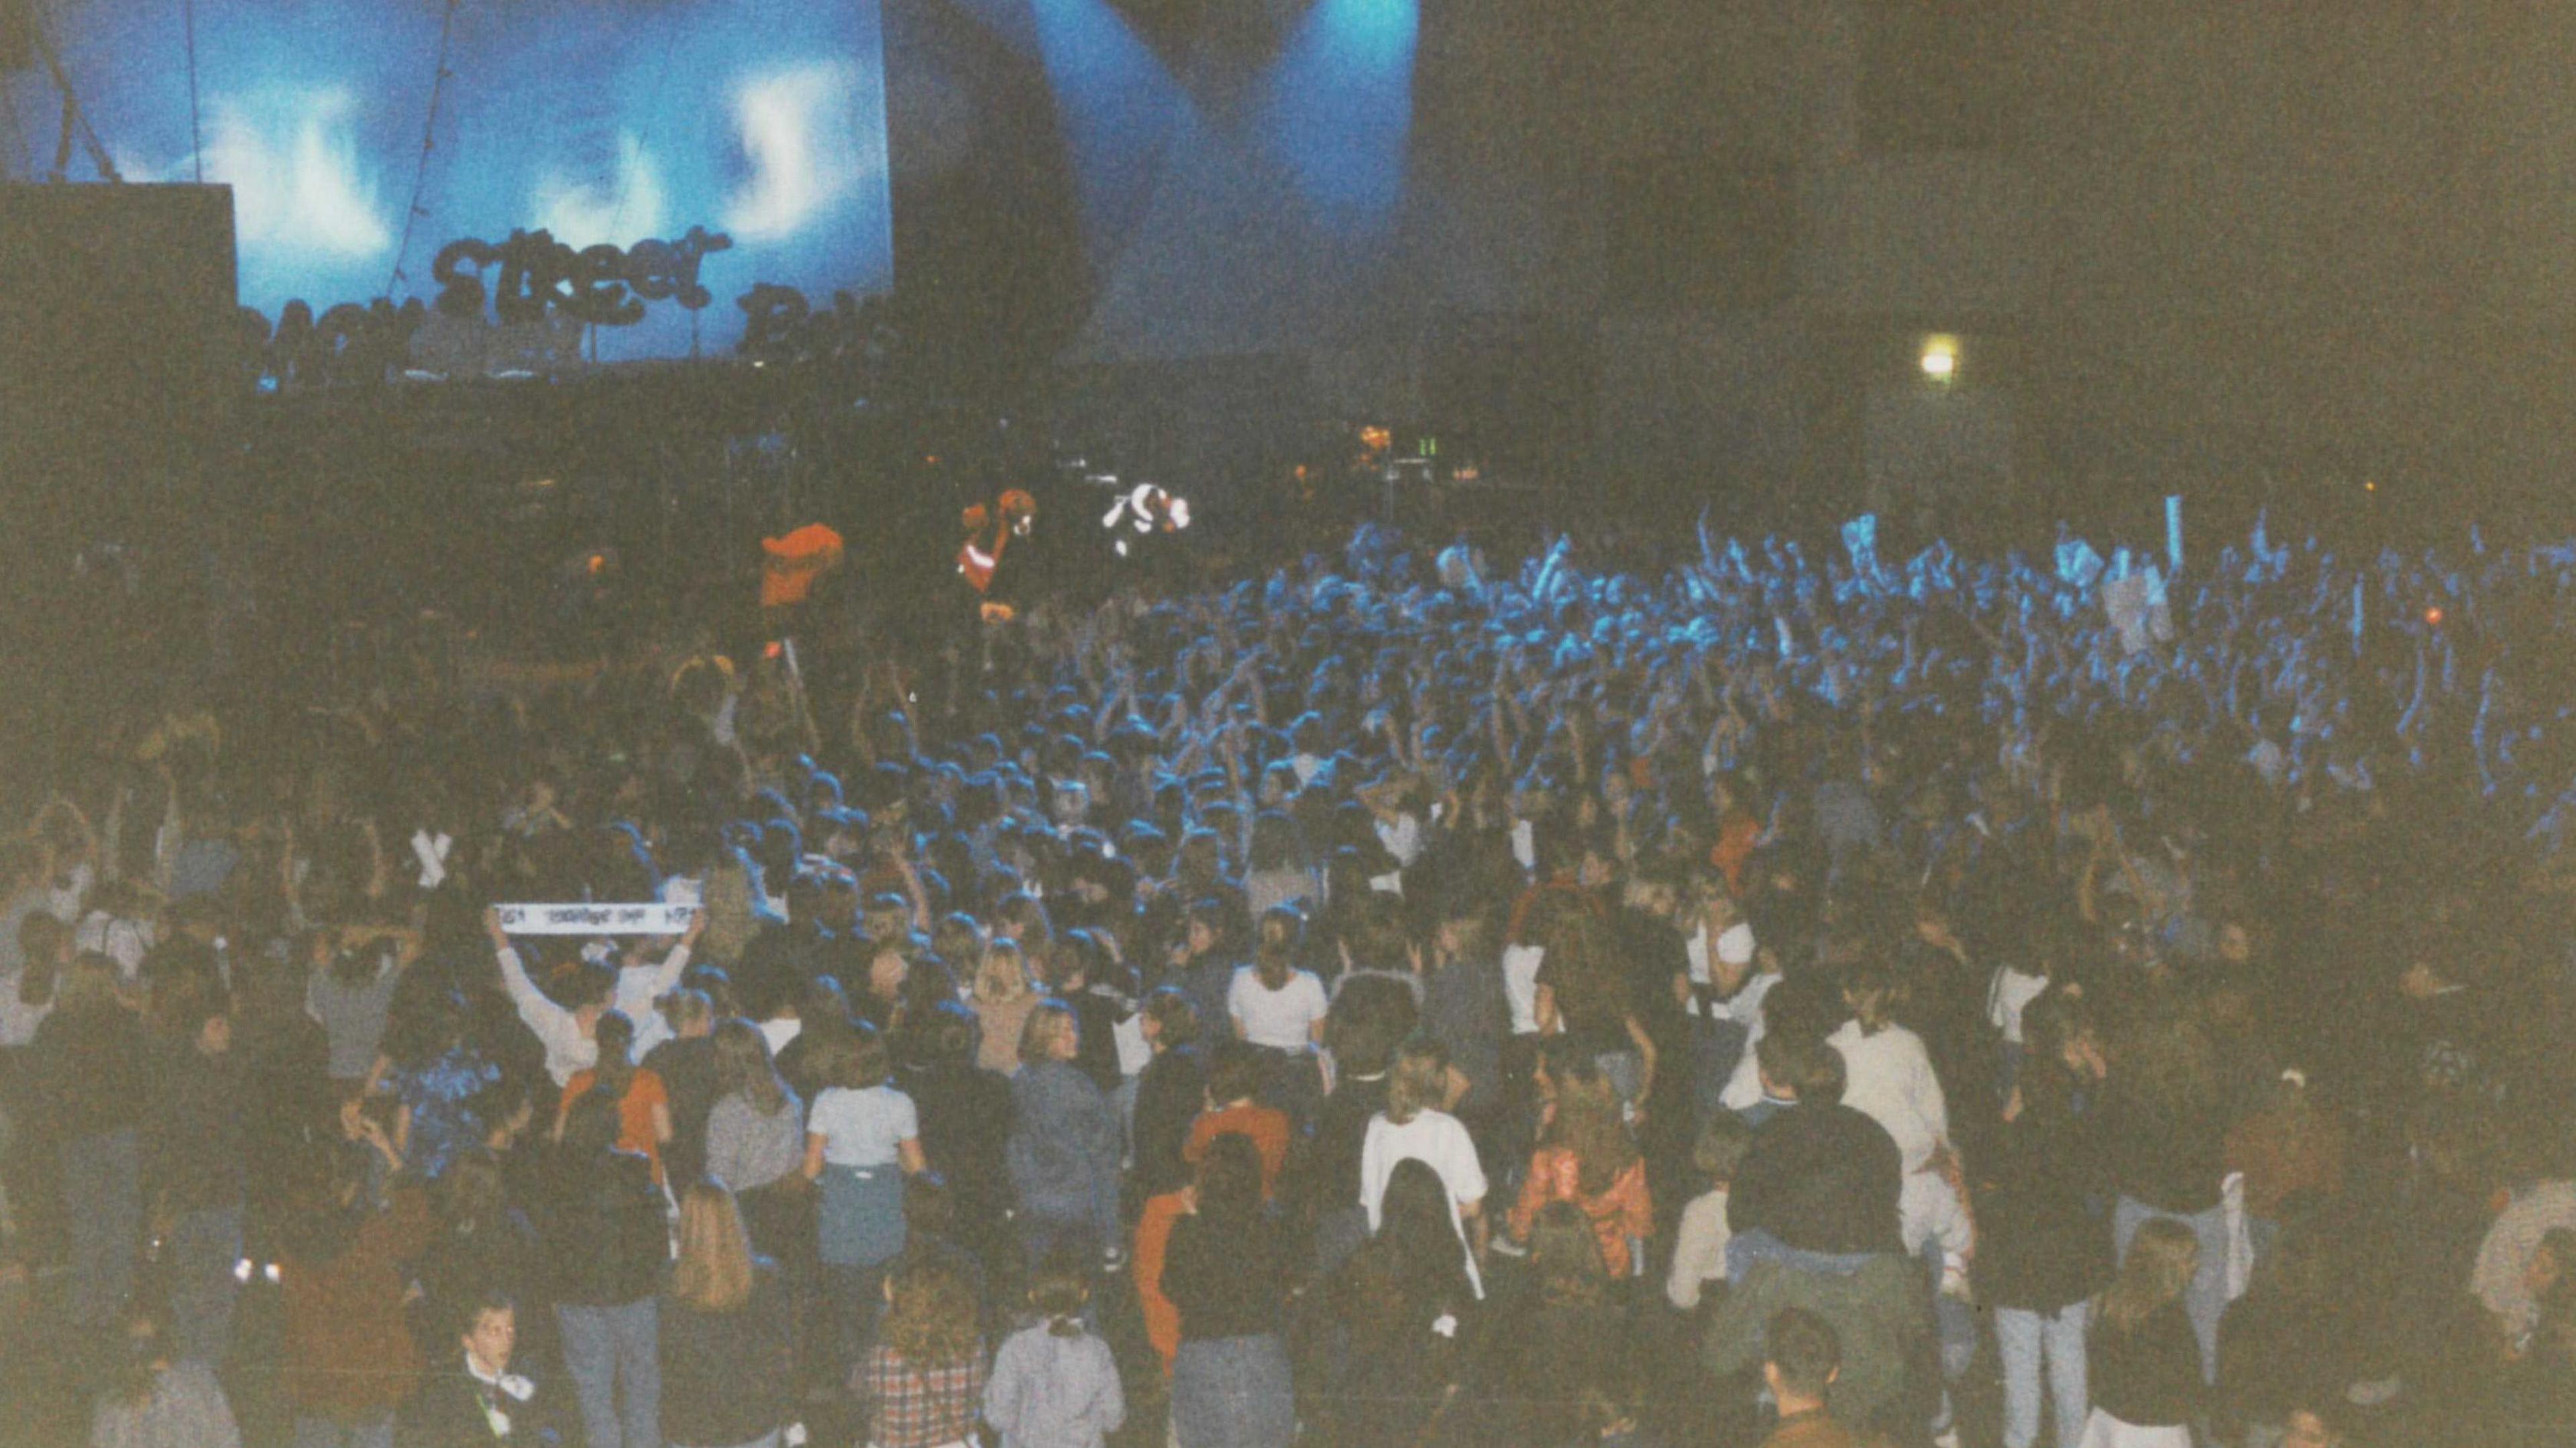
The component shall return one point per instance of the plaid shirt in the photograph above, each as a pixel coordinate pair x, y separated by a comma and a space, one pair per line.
917, 1408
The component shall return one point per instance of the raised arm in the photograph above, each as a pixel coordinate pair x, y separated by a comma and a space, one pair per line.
548, 1020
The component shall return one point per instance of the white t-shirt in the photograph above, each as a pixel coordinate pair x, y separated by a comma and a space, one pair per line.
1734, 949
63, 901
1890, 1081
18, 1020
778, 1031
1744, 1088
1135, 1053
1520, 985
123, 941
638, 986
1435, 1139
1278, 1019
2011, 994
1402, 838
1699, 1250
863, 1128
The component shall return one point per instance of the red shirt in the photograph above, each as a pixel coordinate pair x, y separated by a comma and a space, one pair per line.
915, 1407
1267, 1128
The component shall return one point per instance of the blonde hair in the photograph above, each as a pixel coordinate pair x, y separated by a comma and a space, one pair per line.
1002, 976
1419, 1080
714, 1271
2159, 1267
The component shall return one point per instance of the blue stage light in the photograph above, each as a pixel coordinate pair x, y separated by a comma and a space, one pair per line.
603, 124
1337, 108
1119, 107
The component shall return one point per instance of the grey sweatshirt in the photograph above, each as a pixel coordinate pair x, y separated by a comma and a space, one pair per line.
1054, 1392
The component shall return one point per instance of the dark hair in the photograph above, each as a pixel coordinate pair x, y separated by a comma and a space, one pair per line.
592, 983
1369, 1018
329, 1202
863, 1060
40, 943
942, 1034
615, 1037
1803, 1349
470, 1193
1234, 1073
929, 1207
1057, 1291
1174, 1014
1274, 953
1565, 1256
470, 1309
591, 1126
183, 1004
1416, 1224
1229, 1182
1723, 1141
1803, 1064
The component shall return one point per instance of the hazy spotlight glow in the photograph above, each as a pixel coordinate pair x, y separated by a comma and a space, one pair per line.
295, 175
802, 158
1119, 107
1940, 360
1339, 108
621, 213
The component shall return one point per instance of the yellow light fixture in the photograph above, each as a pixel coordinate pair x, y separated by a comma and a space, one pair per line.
1940, 359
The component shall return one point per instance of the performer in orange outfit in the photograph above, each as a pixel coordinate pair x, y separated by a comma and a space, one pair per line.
989, 531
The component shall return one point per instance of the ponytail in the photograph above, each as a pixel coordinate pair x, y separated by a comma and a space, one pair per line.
1058, 1295
615, 1035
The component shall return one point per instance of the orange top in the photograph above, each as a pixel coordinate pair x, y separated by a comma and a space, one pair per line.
793, 563
1622, 1212
1267, 1128
1153, 1236
634, 1113
1735, 837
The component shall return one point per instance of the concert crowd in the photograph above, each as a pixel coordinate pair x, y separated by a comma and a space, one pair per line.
1774, 997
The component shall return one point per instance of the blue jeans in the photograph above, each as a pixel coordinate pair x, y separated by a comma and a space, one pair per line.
1747, 1248
325, 1433
2206, 1299
609, 1348
1956, 1320
2027, 1339
1233, 1392
103, 1197
197, 1261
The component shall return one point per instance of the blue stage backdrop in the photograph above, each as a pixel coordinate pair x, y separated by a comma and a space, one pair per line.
602, 121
